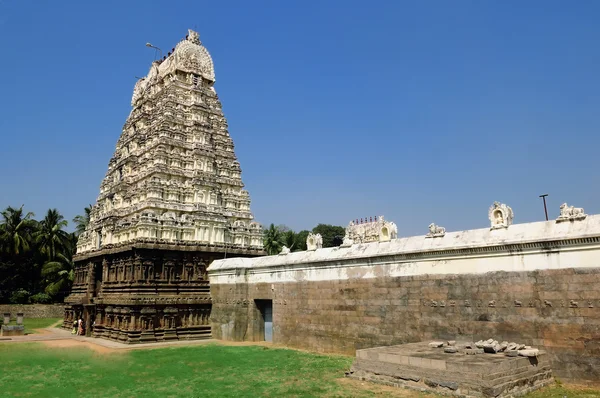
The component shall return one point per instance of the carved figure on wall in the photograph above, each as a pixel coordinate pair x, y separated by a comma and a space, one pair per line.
284, 250
500, 215
435, 231
498, 219
570, 213
377, 230
314, 241
573, 304
347, 242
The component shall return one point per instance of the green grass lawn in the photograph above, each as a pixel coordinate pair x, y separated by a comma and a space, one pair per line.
36, 323
212, 370
207, 371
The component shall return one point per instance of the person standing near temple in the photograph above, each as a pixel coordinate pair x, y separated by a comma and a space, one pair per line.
80, 327
74, 331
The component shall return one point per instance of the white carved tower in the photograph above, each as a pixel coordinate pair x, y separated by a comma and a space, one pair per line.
174, 177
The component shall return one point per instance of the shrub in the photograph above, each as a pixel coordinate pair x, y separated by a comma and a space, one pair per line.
41, 298
20, 296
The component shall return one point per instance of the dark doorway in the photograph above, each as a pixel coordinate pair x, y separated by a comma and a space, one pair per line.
266, 311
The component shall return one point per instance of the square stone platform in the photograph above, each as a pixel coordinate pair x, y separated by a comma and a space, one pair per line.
418, 366
12, 330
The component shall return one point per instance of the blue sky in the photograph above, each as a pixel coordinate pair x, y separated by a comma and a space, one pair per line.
423, 111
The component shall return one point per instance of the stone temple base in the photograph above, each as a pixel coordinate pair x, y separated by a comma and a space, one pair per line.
135, 323
421, 367
152, 336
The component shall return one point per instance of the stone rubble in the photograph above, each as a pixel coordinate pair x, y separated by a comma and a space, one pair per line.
533, 352
436, 344
489, 346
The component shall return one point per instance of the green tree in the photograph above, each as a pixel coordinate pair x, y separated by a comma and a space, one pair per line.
51, 238
58, 275
19, 273
272, 240
329, 233
16, 230
288, 238
301, 240
81, 221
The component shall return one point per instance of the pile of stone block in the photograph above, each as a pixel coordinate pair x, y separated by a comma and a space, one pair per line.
489, 346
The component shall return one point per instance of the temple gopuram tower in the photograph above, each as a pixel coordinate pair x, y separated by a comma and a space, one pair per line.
172, 201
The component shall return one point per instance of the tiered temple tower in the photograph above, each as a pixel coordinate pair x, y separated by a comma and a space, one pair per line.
171, 202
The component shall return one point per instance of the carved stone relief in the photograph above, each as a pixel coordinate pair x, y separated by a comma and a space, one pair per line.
435, 231
314, 242
500, 215
570, 213
369, 230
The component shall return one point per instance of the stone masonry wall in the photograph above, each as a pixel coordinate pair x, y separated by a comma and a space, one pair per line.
34, 310
558, 310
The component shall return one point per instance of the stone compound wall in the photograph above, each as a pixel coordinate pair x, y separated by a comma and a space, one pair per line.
537, 284
34, 310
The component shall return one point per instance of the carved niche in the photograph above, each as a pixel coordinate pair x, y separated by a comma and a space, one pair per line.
435, 231
570, 213
500, 215
314, 242
387, 231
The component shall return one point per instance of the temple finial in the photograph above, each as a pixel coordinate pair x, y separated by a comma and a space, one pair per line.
193, 36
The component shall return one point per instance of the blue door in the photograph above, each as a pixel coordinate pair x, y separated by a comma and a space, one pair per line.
268, 315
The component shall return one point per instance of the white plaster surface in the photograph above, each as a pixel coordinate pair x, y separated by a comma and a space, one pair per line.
379, 259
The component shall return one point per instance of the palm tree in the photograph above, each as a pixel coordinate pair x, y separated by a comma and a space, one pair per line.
82, 221
16, 230
272, 240
58, 274
288, 238
50, 237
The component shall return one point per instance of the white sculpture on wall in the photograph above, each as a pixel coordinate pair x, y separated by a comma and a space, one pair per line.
347, 242
501, 215
570, 213
369, 230
284, 250
435, 231
314, 241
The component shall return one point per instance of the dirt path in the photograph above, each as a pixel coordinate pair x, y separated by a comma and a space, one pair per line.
72, 343
42, 331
